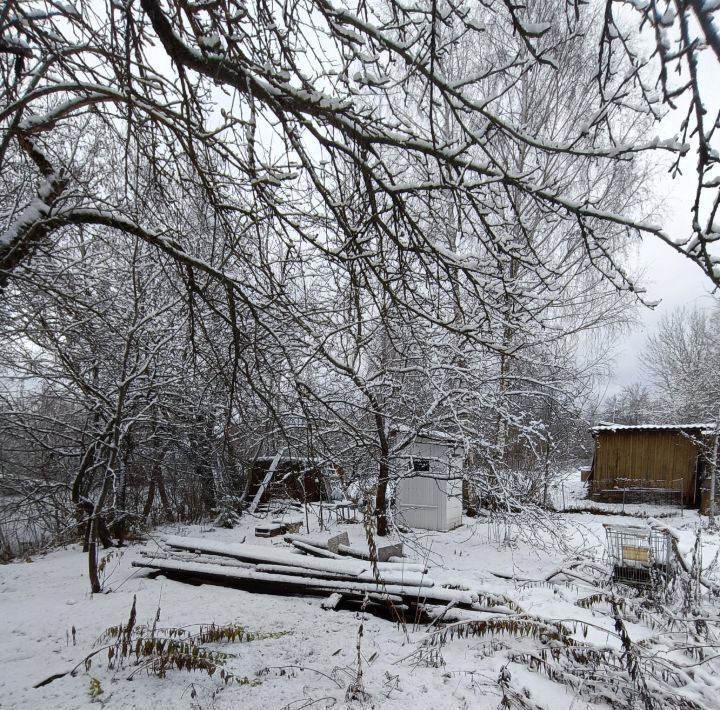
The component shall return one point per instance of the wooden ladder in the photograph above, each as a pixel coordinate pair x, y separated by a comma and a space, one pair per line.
266, 481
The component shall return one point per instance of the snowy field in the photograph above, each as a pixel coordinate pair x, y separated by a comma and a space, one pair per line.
307, 657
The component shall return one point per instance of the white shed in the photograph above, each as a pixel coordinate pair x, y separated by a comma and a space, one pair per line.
429, 489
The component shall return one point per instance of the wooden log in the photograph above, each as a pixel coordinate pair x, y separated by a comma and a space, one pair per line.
389, 558
407, 564
256, 581
207, 571
280, 583
292, 538
298, 572
270, 568
384, 598
336, 540
274, 555
353, 552
270, 530
385, 578
315, 551
211, 559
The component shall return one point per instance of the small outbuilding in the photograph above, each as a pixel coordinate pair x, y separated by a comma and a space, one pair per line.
429, 489
660, 462
285, 476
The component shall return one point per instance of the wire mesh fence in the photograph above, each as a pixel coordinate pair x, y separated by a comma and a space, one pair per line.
640, 556
644, 492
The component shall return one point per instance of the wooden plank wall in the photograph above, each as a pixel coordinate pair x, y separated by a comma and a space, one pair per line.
645, 456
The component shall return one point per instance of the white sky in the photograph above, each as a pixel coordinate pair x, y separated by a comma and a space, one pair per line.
669, 277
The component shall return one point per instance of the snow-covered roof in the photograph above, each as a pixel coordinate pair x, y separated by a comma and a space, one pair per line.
284, 458
426, 435
701, 427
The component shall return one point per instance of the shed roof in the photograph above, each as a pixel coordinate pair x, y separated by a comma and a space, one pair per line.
697, 427
435, 436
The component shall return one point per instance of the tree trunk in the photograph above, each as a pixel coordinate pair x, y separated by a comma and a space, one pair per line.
147, 508
157, 486
98, 530
713, 472
83, 507
381, 500
383, 478
119, 523
167, 507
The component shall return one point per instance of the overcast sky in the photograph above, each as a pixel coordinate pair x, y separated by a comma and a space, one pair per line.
669, 277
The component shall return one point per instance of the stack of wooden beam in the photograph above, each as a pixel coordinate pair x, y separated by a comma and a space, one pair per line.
310, 567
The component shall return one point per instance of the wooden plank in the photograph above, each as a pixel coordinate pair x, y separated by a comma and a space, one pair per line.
297, 572
335, 541
252, 578
384, 552
349, 551
314, 547
315, 551
270, 530
273, 555
632, 553
331, 543
384, 578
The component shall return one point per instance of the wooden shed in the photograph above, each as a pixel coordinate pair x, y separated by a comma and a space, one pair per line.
284, 476
429, 489
650, 458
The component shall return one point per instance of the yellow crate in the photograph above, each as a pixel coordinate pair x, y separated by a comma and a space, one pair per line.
632, 553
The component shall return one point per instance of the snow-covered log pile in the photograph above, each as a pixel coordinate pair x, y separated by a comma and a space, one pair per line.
311, 569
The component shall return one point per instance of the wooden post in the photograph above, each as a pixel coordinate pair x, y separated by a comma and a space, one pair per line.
713, 471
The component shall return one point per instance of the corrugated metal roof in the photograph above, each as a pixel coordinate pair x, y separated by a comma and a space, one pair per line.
702, 427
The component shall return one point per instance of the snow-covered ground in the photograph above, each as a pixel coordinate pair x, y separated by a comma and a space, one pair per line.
51, 622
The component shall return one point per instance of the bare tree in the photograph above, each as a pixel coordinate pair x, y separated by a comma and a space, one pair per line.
287, 126
682, 358
634, 404
685, 64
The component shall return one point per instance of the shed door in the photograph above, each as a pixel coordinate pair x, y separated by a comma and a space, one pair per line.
419, 503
